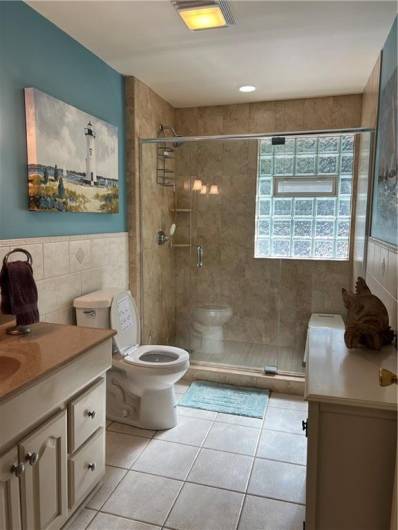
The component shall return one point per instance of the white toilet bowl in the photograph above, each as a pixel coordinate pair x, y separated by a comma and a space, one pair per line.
140, 385
207, 327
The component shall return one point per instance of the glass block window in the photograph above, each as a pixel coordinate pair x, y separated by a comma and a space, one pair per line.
303, 206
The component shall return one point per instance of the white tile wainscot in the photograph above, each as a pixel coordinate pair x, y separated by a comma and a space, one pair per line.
65, 267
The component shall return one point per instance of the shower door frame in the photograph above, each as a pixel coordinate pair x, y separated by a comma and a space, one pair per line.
258, 137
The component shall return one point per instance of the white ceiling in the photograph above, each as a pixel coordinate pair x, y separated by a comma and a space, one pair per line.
287, 49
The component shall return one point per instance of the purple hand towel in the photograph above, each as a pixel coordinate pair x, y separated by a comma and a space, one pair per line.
19, 292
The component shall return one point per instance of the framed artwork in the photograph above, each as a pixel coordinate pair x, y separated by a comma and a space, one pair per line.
385, 199
72, 158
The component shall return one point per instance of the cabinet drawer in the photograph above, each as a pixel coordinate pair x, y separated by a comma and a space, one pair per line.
86, 468
86, 414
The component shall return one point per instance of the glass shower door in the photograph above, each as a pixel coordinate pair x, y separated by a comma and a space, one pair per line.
227, 305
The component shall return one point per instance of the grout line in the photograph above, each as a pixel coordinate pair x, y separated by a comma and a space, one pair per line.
275, 499
280, 430
130, 519
92, 520
251, 471
281, 461
113, 490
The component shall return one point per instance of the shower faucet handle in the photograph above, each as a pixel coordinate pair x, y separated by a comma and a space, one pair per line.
199, 256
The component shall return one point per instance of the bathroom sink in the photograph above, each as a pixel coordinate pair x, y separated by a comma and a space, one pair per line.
8, 366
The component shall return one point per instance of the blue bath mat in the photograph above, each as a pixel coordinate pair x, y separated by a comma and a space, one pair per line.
229, 399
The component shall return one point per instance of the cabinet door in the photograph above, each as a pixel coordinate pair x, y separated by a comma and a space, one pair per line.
10, 510
44, 483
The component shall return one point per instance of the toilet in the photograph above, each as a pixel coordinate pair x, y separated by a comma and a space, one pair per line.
207, 327
140, 384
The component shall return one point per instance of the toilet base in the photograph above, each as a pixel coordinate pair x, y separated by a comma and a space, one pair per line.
155, 409
207, 339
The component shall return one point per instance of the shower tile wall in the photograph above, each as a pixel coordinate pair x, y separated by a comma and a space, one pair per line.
152, 268
271, 299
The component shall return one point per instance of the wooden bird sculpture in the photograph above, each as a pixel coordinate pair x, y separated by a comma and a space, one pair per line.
367, 319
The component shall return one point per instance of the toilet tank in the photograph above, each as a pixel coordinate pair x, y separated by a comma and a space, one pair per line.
93, 309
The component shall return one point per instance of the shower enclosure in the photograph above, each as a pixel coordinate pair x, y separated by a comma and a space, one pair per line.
263, 239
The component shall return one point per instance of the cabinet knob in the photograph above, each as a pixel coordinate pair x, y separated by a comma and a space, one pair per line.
17, 469
32, 458
92, 466
91, 414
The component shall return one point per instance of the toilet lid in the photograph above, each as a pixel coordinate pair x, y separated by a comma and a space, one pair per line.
126, 322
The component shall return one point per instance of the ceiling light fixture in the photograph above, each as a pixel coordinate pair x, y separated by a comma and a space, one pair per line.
204, 14
247, 88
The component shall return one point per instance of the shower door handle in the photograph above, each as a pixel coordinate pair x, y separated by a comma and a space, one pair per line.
199, 256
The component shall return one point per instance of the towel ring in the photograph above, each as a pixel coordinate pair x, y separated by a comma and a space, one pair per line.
19, 330
27, 254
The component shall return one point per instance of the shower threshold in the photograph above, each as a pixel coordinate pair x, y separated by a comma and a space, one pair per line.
286, 382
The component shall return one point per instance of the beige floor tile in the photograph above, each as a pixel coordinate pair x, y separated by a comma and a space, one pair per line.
122, 450
113, 476
278, 480
105, 521
223, 470
167, 459
286, 420
204, 508
191, 431
82, 520
287, 447
239, 420
143, 497
288, 401
129, 429
196, 413
268, 514
233, 438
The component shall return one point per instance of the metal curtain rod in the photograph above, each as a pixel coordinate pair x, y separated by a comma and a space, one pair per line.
255, 136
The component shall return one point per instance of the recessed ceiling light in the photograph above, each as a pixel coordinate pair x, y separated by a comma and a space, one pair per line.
247, 88
204, 14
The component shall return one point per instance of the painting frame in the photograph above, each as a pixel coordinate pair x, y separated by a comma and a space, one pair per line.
384, 226
72, 158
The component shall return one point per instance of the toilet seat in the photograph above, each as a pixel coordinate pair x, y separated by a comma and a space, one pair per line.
125, 319
134, 357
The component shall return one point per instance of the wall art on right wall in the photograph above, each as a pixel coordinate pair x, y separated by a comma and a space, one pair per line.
384, 211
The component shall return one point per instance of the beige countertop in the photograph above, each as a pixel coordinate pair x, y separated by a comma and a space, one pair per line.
23, 359
338, 375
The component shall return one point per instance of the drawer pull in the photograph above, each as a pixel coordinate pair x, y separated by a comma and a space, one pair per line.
32, 458
17, 469
92, 466
91, 414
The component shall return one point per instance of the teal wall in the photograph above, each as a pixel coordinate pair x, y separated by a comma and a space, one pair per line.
35, 53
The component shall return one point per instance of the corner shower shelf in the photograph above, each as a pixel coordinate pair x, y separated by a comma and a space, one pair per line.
181, 245
181, 210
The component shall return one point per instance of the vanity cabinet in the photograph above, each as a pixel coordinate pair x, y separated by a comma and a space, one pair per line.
10, 507
352, 435
52, 444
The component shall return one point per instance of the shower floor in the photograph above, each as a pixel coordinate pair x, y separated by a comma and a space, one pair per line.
249, 355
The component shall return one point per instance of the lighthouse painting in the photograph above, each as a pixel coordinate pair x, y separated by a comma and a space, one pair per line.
72, 158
